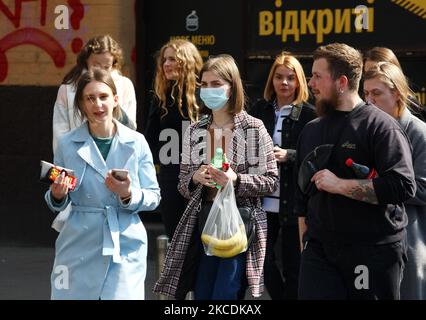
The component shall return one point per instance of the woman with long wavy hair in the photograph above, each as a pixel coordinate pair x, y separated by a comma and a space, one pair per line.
174, 106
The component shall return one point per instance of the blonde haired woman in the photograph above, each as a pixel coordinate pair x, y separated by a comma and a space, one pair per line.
284, 111
386, 87
174, 105
381, 54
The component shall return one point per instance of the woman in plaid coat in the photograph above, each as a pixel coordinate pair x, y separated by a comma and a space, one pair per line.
253, 171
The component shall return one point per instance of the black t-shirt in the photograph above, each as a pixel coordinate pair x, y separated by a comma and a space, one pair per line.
373, 138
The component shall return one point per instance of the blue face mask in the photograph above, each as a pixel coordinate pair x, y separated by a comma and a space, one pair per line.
214, 98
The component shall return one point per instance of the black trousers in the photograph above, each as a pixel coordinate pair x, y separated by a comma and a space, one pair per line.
360, 272
282, 284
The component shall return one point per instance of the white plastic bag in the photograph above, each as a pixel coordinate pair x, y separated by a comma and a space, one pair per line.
224, 234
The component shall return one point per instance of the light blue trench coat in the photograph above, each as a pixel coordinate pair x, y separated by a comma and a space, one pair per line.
101, 251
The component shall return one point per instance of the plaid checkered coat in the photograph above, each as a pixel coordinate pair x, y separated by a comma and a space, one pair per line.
252, 158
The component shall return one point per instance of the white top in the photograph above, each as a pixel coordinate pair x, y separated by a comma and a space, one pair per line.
64, 119
271, 203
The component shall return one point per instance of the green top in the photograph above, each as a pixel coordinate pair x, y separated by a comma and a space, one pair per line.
104, 144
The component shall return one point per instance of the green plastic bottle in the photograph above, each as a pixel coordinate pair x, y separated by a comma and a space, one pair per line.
217, 162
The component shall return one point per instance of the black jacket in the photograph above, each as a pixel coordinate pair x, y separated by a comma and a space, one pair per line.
372, 138
173, 120
291, 128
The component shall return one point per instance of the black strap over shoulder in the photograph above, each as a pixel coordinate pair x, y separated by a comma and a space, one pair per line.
319, 158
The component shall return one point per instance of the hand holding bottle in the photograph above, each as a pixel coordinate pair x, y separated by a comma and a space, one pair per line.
202, 175
220, 178
220, 170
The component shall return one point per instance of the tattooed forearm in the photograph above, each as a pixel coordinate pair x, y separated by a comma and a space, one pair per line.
363, 190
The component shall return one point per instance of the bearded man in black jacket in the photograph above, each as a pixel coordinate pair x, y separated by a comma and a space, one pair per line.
354, 240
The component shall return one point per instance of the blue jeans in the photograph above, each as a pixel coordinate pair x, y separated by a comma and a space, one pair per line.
220, 278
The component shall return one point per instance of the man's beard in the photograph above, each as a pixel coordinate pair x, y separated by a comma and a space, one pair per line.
326, 106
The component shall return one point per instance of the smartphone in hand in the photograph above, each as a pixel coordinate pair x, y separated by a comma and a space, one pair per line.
120, 174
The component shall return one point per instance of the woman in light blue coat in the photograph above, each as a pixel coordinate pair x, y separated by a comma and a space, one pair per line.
101, 250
